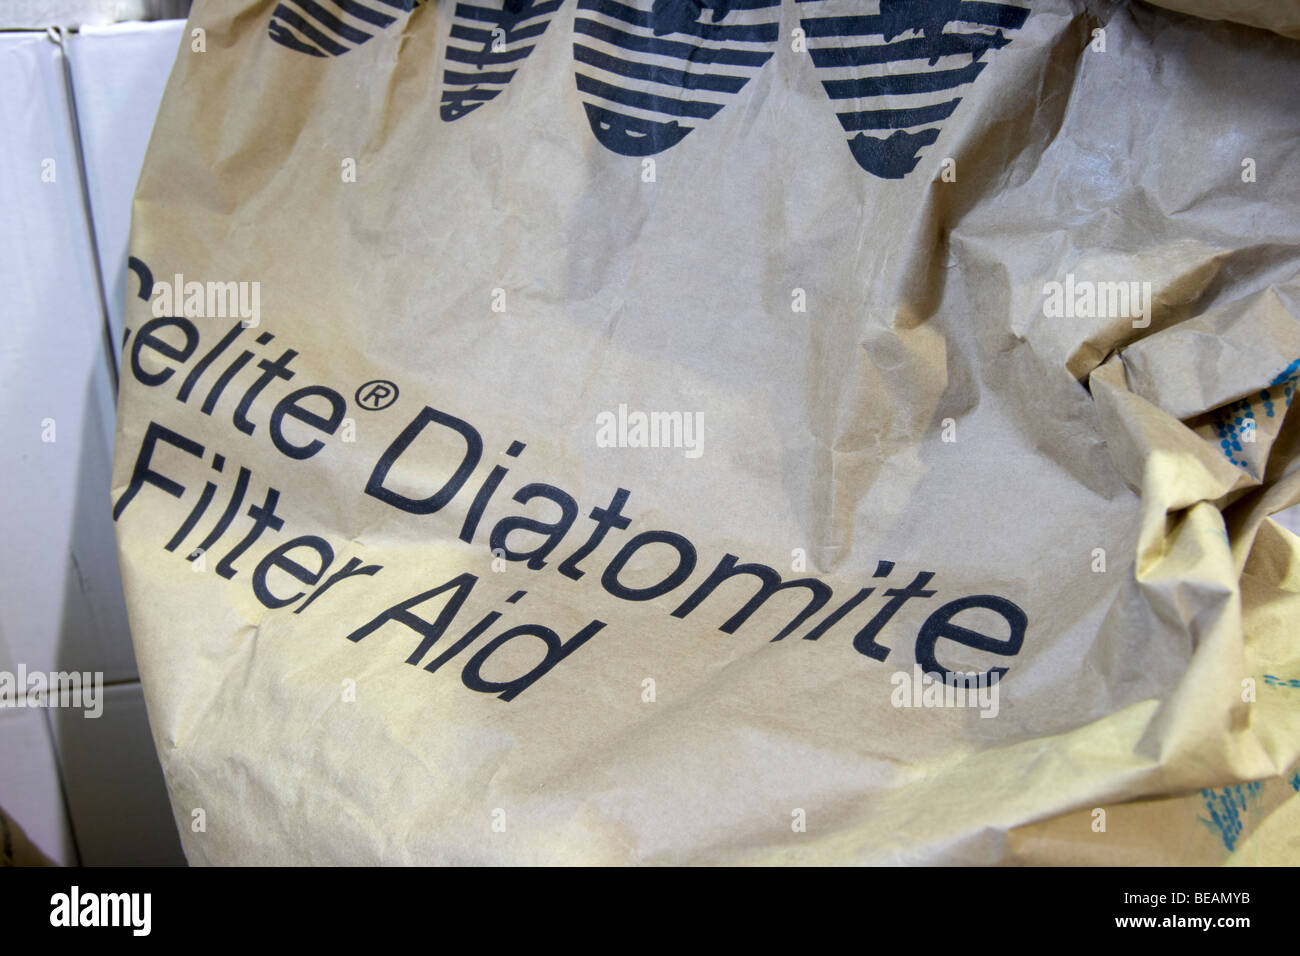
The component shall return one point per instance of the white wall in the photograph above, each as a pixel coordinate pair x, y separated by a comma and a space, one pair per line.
85, 790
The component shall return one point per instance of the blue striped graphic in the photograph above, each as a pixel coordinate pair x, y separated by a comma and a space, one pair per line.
485, 48
896, 69
648, 71
332, 27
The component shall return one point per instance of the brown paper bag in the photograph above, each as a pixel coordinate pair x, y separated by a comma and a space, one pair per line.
718, 431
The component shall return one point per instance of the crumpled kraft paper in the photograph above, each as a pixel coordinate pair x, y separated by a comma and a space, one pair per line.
718, 432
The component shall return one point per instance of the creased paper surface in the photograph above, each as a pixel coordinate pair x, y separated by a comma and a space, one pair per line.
575, 432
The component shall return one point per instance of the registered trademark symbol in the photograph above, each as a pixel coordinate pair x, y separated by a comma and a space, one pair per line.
376, 395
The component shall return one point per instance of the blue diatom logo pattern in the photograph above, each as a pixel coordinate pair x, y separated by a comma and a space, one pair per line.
485, 49
648, 72
897, 70
332, 27
1236, 423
